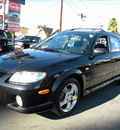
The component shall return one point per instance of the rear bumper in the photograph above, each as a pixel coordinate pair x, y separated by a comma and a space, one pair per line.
39, 108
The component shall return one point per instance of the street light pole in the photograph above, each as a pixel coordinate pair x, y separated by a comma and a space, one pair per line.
61, 8
4, 3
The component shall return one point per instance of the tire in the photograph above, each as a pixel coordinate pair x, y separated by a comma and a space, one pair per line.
66, 98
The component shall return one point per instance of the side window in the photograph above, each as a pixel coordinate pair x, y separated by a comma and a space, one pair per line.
114, 44
102, 43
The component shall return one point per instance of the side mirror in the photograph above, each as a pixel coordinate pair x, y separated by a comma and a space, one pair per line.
99, 51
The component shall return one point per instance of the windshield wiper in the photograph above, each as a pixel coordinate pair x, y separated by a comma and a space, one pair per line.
54, 50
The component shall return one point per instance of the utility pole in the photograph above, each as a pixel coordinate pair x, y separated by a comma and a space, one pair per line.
61, 8
4, 3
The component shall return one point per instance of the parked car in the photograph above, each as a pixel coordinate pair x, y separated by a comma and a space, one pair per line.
56, 73
27, 42
5, 42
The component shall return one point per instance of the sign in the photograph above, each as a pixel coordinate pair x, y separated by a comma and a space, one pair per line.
1, 21
1, 1
14, 6
13, 27
19, 1
13, 17
1, 17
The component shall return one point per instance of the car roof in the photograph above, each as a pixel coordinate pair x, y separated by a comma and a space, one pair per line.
94, 31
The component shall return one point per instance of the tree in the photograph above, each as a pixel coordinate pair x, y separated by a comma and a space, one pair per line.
40, 26
112, 25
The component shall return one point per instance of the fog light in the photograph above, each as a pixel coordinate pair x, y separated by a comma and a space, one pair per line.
19, 100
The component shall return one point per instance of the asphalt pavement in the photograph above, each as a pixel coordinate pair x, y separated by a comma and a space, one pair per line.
97, 111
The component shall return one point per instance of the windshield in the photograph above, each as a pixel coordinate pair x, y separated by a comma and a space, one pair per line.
70, 42
3, 34
27, 38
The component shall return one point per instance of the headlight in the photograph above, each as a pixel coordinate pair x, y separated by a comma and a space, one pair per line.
10, 43
27, 77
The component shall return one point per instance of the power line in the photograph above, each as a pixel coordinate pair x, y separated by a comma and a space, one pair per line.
70, 7
87, 8
105, 2
51, 6
76, 6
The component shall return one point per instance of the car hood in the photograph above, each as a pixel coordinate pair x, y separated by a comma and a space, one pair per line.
22, 41
33, 60
4, 39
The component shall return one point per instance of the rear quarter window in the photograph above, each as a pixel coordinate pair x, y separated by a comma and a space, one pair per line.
114, 44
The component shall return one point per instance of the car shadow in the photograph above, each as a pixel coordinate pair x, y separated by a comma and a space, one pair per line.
2, 108
90, 101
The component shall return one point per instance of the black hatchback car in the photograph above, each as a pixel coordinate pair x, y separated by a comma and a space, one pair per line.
58, 71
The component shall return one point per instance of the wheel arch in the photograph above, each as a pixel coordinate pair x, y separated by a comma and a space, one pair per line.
75, 73
80, 79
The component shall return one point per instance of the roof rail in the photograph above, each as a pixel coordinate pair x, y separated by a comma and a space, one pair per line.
91, 29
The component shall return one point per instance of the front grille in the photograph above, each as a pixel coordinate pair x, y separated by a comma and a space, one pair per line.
2, 74
3, 43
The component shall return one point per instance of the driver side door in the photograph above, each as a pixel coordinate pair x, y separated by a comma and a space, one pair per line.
101, 65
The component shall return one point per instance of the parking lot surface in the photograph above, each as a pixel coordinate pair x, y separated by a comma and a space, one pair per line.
97, 111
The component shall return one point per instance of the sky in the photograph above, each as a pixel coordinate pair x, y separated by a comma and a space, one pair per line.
47, 12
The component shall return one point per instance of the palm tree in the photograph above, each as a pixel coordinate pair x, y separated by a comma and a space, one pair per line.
112, 25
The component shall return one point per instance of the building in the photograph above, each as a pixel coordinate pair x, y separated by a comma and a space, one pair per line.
43, 32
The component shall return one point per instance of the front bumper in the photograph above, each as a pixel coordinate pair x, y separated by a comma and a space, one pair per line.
32, 101
39, 108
